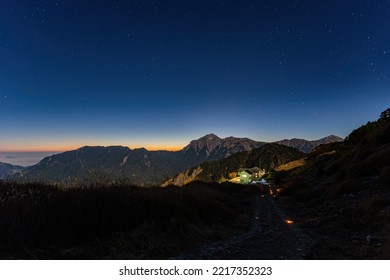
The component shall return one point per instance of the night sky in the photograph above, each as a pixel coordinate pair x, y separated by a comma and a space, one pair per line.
161, 73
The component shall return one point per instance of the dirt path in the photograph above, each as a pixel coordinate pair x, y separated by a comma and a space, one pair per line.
269, 237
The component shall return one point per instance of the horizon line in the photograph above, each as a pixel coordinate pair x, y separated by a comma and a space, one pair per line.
173, 148
61, 150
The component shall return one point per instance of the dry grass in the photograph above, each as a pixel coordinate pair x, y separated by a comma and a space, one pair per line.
291, 165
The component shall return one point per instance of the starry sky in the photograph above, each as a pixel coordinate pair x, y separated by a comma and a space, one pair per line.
158, 74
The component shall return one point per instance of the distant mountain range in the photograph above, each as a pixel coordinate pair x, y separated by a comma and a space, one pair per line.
307, 146
138, 166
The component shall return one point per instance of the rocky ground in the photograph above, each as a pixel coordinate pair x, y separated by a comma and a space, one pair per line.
271, 235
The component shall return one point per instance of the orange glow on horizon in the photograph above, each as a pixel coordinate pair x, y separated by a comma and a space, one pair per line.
59, 149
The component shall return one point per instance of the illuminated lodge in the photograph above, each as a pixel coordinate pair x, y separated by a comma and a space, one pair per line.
249, 175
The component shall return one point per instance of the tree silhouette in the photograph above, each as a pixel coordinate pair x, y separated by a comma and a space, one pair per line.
385, 115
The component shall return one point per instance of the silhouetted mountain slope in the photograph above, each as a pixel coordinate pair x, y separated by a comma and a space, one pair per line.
7, 169
104, 165
307, 146
340, 194
266, 157
121, 164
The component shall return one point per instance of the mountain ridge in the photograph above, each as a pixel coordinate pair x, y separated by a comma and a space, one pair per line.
136, 166
307, 146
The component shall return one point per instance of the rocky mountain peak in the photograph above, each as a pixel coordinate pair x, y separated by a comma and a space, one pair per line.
212, 147
331, 139
208, 138
208, 142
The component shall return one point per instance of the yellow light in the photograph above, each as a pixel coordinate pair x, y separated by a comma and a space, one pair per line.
288, 221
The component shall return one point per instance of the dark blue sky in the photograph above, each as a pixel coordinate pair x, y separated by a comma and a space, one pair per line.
160, 73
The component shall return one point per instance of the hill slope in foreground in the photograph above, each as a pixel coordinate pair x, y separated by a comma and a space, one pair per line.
122, 222
340, 194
